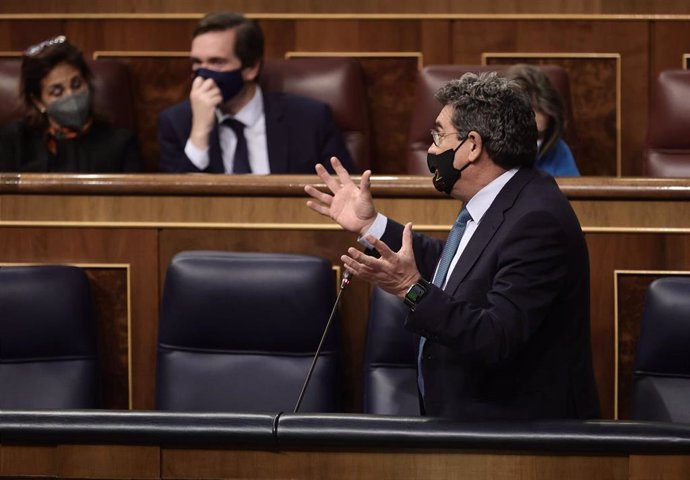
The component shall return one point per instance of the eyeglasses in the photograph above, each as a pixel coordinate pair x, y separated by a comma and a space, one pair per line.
39, 47
437, 137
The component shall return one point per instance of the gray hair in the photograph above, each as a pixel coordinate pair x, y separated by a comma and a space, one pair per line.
499, 111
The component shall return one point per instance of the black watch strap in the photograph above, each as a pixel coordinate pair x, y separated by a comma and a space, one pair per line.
416, 292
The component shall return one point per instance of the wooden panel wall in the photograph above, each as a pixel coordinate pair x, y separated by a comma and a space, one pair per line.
232, 462
127, 338
612, 60
636, 230
350, 6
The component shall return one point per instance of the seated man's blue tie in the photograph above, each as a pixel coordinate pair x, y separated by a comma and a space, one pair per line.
240, 162
447, 255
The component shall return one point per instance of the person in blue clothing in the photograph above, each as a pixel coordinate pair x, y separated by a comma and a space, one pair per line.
553, 154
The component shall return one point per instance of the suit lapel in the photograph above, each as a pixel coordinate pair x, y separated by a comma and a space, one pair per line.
492, 220
276, 134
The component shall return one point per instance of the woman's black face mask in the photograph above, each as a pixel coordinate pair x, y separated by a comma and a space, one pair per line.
445, 174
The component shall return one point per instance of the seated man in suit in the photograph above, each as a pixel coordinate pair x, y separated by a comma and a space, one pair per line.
502, 307
229, 125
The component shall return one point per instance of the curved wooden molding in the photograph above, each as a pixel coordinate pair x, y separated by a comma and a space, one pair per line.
418, 55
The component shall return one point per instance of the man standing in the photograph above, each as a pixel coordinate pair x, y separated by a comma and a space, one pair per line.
229, 125
502, 308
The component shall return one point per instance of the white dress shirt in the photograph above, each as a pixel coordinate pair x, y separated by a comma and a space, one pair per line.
254, 120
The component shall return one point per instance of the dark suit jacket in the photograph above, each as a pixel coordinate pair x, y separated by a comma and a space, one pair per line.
509, 338
300, 132
104, 149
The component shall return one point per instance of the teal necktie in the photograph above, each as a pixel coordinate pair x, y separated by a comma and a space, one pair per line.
447, 255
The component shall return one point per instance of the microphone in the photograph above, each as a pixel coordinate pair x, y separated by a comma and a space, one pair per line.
343, 283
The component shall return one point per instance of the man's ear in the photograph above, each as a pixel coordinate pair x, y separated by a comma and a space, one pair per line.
476, 145
250, 74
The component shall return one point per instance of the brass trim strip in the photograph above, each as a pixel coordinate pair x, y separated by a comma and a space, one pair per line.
615, 345
614, 56
635, 230
338, 271
486, 55
292, 54
360, 54
71, 264
288, 226
128, 272
130, 376
208, 225
616, 353
138, 53
353, 16
116, 54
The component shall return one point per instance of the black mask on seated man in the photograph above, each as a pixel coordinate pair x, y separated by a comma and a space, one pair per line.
230, 83
445, 174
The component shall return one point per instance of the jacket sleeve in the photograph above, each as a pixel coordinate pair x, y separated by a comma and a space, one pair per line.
172, 140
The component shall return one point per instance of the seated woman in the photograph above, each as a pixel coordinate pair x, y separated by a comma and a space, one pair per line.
553, 154
60, 132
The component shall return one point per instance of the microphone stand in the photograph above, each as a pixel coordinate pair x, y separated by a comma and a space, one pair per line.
344, 283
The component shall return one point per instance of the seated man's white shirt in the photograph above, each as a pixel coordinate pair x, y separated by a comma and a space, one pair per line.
254, 120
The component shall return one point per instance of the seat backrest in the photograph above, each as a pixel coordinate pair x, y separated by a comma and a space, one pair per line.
11, 106
661, 379
238, 332
112, 98
667, 152
426, 109
48, 349
338, 82
390, 367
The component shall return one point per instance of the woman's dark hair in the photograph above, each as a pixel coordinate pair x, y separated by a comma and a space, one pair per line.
249, 40
544, 98
37, 62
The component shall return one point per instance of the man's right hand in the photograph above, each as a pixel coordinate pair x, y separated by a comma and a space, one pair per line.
349, 205
204, 98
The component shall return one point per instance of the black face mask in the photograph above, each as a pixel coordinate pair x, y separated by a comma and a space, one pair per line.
445, 174
230, 83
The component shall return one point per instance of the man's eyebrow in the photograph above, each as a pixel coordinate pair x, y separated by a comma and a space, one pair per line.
195, 60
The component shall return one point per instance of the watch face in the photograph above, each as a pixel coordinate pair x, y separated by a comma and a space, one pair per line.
415, 293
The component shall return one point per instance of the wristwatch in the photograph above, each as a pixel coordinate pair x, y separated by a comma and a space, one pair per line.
416, 292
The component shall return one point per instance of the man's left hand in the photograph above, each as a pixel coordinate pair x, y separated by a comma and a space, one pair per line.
394, 272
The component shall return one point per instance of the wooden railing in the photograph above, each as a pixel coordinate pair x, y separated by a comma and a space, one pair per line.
125, 229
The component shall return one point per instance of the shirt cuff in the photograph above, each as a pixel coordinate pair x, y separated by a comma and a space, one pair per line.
197, 156
375, 230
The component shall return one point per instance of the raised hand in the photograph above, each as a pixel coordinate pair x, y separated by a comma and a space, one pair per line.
204, 98
349, 205
394, 272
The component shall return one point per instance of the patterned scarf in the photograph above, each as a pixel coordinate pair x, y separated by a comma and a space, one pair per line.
62, 133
